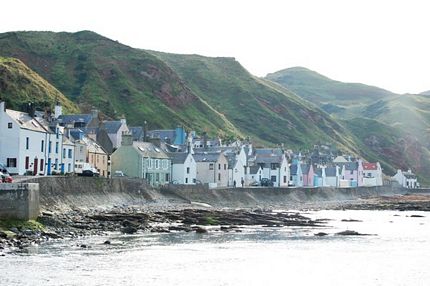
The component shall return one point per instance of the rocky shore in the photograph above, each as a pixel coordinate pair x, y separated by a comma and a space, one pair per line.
187, 218
131, 220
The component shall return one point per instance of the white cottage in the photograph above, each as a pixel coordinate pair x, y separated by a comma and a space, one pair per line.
184, 168
28, 145
406, 179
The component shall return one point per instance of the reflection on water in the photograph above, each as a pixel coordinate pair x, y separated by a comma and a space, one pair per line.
397, 254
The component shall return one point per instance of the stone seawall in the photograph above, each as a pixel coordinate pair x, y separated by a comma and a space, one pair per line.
19, 201
67, 193
256, 197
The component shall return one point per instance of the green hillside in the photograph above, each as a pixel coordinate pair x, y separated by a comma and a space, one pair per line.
216, 95
330, 95
254, 105
405, 117
20, 85
95, 71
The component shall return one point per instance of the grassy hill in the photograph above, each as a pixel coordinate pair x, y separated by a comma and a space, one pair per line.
94, 71
255, 106
20, 85
216, 95
369, 112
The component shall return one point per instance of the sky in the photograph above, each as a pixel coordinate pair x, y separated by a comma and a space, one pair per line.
378, 42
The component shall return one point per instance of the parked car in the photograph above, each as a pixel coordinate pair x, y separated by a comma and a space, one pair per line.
266, 182
6, 177
254, 184
89, 173
119, 174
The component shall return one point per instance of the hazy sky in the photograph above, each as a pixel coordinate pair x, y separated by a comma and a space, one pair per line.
379, 42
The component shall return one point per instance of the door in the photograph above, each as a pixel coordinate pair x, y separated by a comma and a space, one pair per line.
35, 165
48, 169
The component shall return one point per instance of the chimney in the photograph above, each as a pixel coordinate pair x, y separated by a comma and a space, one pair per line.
205, 140
127, 139
31, 109
58, 110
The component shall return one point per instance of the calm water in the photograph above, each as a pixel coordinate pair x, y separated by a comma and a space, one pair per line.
398, 255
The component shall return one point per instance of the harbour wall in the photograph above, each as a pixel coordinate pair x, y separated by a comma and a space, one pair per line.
68, 193
19, 201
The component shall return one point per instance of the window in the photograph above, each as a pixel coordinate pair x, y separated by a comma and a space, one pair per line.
49, 146
27, 143
167, 177
157, 164
351, 172
274, 166
211, 166
56, 164
219, 176
70, 154
56, 147
188, 170
219, 166
57, 132
285, 179
64, 153
42, 146
9, 125
42, 164
186, 180
225, 166
11, 162
27, 162
150, 163
157, 177
69, 168
273, 179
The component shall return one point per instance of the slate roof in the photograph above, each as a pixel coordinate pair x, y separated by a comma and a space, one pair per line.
275, 151
293, 169
165, 135
409, 175
254, 169
25, 121
268, 159
330, 172
370, 166
232, 159
206, 157
72, 118
178, 157
136, 132
112, 127
148, 150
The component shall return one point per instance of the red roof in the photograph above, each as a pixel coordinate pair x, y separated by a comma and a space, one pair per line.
370, 166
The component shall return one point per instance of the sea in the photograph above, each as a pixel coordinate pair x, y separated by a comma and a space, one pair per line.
396, 252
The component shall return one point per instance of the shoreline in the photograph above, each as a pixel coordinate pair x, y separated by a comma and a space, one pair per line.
186, 217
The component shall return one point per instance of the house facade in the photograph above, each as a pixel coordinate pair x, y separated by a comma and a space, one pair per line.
212, 169
372, 174
28, 145
142, 160
184, 168
308, 175
296, 175
406, 179
274, 165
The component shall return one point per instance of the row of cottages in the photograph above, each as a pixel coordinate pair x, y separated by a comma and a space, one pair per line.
344, 175
32, 144
406, 179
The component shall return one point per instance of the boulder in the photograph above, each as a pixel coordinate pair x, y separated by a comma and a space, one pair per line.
129, 230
